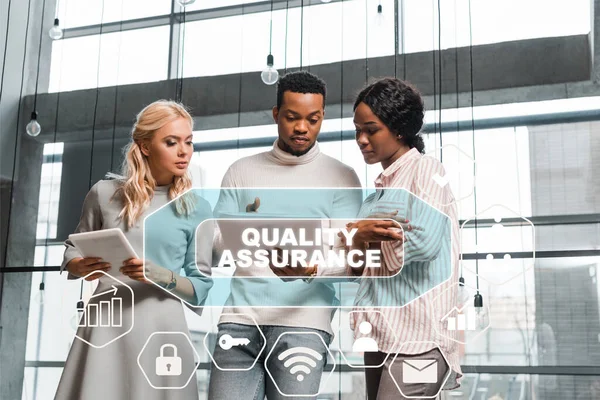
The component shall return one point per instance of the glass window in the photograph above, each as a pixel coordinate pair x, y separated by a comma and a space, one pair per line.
209, 4
534, 19
76, 13
49, 192
330, 33
128, 57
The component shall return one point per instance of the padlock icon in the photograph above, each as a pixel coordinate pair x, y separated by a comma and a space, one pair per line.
168, 366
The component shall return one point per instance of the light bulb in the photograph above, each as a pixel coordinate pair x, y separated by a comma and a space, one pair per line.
40, 297
482, 317
56, 32
77, 316
463, 292
33, 128
269, 75
74, 322
325, 1
184, 3
481, 313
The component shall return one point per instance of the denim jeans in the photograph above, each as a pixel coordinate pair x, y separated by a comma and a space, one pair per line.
256, 382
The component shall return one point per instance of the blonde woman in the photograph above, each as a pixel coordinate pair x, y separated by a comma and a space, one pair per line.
155, 171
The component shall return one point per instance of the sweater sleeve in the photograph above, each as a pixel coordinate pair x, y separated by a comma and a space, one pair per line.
198, 258
91, 220
346, 204
228, 199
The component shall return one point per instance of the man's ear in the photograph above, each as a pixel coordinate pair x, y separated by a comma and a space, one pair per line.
275, 113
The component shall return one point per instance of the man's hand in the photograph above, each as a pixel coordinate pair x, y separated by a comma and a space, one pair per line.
404, 223
374, 231
290, 273
254, 206
83, 266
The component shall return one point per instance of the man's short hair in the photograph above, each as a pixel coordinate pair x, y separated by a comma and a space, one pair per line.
300, 82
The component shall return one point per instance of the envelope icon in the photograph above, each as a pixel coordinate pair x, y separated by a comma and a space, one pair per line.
419, 371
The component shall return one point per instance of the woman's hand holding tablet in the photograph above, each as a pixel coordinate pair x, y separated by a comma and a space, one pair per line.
108, 245
83, 266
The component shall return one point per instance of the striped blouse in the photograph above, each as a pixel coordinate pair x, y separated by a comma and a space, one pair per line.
416, 277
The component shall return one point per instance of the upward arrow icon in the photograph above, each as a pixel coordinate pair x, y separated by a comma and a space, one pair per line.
113, 290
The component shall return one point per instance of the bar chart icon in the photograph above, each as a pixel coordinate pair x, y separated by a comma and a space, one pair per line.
104, 313
461, 321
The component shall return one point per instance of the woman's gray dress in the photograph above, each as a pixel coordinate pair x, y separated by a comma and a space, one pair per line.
112, 372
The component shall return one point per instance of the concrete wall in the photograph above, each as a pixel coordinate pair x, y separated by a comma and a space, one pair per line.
18, 208
527, 70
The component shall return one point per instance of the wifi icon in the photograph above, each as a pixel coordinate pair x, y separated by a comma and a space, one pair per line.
299, 360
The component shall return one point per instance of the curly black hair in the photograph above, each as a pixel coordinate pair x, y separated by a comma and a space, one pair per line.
399, 105
300, 82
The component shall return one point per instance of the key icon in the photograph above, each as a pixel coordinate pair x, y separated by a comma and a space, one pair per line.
226, 342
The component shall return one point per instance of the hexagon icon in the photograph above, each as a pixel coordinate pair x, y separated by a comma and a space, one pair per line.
419, 370
464, 322
108, 312
226, 342
299, 362
364, 343
168, 360
460, 176
171, 240
500, 234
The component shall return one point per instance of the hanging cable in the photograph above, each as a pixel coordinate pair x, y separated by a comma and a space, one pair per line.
15, 149
366, 43
112, 143
434, 75
37, 75
32, 128
440, 76
42, 283
5, 50
287, 9
97, 96
80, 302
342, 78
180, 65
52, 164
239, 121
461, 278
271, 29
301, 30
456, 69
396, 41
478, 299
403, 43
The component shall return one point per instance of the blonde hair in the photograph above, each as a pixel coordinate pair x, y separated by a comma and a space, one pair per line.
138, 183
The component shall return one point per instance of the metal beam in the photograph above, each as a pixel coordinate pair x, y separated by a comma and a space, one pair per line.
466, 256
577, 370
447, 127
190, 16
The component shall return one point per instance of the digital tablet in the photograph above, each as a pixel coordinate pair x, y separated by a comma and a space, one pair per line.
109, 244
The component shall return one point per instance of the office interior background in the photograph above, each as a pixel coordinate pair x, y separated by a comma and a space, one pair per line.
513, 85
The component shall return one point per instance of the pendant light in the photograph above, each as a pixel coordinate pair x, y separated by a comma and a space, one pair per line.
34, 128
270, 75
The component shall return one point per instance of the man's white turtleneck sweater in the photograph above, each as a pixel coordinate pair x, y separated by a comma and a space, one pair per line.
279, 169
